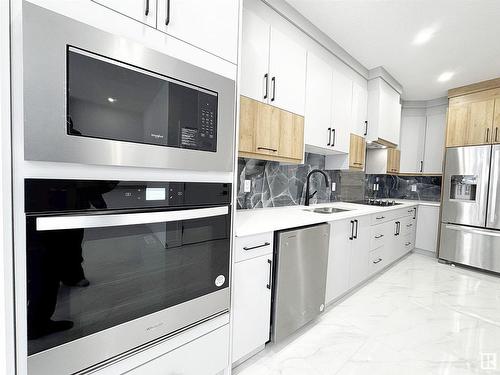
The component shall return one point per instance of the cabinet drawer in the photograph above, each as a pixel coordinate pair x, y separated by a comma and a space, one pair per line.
253, 246
382, 217
408, 226
377, 260
379, 235
210, 351
408, 243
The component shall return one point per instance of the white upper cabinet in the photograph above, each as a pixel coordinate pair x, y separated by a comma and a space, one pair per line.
384, 112
287, 73
359, 109
422, 140
255, 57
412, 143
210, 25
341, 112
435, 142
273, 66
318, 112
140, 10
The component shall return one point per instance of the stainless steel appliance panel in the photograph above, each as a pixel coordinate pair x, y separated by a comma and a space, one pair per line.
47, 37
466, 185
470, 246
493, 216
300, 282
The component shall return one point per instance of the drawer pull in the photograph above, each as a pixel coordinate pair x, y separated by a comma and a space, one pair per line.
256, 247
408, 243
380, 217
379, 236
377, 261
409, 225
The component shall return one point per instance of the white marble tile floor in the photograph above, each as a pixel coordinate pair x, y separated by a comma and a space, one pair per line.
420, 317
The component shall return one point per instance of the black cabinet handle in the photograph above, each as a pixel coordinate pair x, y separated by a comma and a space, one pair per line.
399, 228
377, 261
273, 81
366, 128
357, 224
379, 236
352, 230
421, 166
167, 19
334, 134
266, 148
270, 262
407, 243
256, 247
329, 137
146, 12
396, 233
414, 213
496, 134
380, 217
487, 134
266, 78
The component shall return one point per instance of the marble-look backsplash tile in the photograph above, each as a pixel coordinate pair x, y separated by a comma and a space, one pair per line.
274, 184
427, 188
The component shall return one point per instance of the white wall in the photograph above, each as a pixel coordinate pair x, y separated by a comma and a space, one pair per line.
6, 277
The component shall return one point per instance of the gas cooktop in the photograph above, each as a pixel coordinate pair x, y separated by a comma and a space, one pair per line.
378, 202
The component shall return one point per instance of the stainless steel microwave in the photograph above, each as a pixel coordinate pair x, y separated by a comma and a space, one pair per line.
92, 97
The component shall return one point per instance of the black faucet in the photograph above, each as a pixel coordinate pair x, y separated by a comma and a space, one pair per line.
307, 184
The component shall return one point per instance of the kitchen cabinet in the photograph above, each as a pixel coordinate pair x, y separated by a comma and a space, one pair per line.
318, 110
412, 143
427, 228
341, 111
269, 133
208, 25
434, 144
473, 119
273, 66
359, 109
360, 246
384, 113
357, 152
348, 256
383, 161
251, 294
140, 10
328, 108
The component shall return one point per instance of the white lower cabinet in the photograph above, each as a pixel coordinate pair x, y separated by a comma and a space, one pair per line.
252, 295
427, 228
360, 247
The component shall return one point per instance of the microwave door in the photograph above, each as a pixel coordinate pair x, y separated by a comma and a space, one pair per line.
466, 185
493, 216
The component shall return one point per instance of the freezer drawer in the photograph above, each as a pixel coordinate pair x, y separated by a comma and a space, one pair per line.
470, 246
300, 279
465, 192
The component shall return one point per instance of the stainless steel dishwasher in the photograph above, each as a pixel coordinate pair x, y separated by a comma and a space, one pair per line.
301, 257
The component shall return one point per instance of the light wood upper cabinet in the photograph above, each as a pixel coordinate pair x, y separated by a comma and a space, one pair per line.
496, 122
473, 119
270, 133
357, 152
393, 160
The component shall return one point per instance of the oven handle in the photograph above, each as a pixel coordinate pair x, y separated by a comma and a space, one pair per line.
114, 220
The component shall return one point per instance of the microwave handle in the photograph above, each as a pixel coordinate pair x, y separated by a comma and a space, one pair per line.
62, 222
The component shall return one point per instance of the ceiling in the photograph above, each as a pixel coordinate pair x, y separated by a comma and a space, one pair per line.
465, 40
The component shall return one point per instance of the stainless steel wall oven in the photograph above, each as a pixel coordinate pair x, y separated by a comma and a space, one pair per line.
96, 98
115, 265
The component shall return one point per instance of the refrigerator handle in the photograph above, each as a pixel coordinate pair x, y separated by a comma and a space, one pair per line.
484, 232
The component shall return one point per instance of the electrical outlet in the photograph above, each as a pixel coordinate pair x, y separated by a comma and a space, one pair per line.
248, 186
414, 187
334, 186
375, 187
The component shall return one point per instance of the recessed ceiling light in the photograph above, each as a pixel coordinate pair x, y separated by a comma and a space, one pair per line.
111, 100
424, 36
446, 76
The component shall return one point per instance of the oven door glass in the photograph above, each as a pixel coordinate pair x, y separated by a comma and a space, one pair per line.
111, 100
85, 280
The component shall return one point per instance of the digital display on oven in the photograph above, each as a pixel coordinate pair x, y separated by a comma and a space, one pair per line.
155, 194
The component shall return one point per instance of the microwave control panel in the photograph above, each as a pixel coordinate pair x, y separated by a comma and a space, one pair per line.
207, 131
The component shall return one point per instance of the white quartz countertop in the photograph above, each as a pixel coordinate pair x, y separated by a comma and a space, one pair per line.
261, 220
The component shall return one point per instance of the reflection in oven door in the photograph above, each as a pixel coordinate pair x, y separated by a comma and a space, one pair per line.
132, 271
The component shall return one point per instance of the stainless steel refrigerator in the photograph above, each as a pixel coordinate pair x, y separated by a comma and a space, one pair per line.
470, 230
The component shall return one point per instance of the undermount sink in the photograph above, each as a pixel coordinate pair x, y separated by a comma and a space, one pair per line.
325, 210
